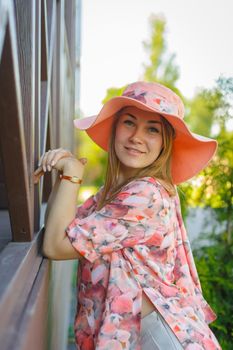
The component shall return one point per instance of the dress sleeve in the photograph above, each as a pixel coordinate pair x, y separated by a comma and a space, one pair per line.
88, 206
185, 263
185, 271
138, 214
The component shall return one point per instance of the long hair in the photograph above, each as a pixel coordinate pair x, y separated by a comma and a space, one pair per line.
160, 169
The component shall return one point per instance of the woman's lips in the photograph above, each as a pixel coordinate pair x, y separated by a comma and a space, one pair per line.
133, 152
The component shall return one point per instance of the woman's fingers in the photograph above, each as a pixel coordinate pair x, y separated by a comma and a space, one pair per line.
56, 156
38, 170
83, 160
51, 157
49, 160
37, 174
44, 160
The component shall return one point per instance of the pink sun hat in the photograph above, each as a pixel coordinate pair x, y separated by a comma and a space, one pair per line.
190, 152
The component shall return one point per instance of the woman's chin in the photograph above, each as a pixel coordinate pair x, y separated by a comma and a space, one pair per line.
131, 166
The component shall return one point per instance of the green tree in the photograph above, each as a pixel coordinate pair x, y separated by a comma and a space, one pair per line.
161, 67
113, 92
201, 110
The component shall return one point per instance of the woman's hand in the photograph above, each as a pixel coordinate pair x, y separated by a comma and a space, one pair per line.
57, 159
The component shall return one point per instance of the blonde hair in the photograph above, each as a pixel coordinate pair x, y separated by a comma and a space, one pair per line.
160, 169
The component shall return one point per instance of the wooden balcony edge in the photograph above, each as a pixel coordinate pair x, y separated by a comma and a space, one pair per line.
19, 266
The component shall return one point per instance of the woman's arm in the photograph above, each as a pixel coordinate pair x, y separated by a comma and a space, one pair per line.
52, 197
56, 244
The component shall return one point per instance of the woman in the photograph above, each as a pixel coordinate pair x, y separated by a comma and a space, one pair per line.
138, 286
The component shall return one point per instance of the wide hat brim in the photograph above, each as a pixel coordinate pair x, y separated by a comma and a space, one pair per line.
190, 154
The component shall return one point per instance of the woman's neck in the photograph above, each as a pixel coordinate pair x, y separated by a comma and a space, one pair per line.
122, 179
125, 173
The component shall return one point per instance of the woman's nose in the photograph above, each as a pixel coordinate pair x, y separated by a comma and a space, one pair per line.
137, 135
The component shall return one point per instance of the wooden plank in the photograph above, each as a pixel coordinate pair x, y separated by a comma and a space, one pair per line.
46, 49
70, 8
44, 42
5, 229
12, 140
47, 46
32, 330
56, 104
51, 21
19, 266
3, 193
3, 23
25, 31
24, 273
24, 18
44, 107
51, 25
47, 43
47, 181
37, 144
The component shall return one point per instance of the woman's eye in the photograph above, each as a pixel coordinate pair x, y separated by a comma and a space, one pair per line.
128, 122
154, 129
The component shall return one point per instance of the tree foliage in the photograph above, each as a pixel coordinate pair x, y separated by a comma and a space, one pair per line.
215, 268
161, 67
201, 110
113, 92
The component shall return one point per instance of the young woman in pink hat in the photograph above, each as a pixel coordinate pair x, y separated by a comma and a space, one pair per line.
138, 287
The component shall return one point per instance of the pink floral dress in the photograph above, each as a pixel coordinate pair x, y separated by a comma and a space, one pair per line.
136, 243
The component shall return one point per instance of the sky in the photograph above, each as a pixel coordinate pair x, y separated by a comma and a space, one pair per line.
199, 32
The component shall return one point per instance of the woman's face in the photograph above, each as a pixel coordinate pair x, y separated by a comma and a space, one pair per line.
138, 139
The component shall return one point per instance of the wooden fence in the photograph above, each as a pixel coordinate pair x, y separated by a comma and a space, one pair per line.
38, 64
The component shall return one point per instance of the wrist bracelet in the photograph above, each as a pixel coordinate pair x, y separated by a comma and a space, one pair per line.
73, 179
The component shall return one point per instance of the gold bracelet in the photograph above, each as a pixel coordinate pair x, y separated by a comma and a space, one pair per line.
73, 179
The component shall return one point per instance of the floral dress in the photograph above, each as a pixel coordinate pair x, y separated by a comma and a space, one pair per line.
136, 243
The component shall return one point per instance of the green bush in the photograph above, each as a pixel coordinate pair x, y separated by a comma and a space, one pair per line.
215, 268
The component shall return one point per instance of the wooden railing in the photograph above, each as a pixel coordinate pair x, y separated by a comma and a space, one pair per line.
37, 93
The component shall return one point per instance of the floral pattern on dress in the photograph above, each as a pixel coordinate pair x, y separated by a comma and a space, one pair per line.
136, 243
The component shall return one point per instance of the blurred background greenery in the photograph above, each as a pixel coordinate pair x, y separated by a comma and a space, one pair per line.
207, 113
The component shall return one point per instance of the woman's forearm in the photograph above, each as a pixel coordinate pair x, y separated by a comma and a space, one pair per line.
52, 197
61, 212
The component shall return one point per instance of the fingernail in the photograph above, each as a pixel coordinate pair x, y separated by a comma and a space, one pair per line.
49, 167
44, 168
52, 163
